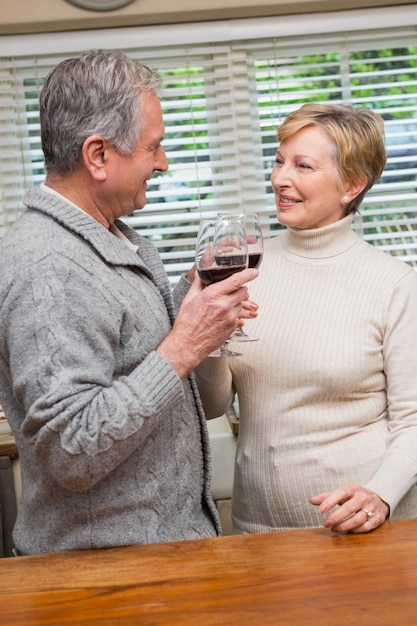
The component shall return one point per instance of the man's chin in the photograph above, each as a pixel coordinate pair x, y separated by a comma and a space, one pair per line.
140, 203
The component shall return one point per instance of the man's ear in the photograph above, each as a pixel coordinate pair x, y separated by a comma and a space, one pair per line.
95, 156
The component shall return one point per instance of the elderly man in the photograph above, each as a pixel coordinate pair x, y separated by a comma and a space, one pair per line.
95, 366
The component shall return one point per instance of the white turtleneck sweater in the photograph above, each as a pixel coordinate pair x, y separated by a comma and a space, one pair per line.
338, 345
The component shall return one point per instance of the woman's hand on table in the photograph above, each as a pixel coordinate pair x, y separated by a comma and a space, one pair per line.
359, 510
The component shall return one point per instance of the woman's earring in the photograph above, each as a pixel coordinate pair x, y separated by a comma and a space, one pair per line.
345, 199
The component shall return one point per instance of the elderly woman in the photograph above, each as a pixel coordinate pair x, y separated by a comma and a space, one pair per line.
328, 396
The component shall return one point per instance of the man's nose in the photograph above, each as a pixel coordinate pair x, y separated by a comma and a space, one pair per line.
161, 161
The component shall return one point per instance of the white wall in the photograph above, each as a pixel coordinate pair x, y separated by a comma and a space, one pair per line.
37, 16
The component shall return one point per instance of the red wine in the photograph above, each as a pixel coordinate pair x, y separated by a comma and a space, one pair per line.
230, 260
255, 259
216, 274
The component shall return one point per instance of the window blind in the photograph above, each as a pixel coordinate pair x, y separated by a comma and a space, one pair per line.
223, 98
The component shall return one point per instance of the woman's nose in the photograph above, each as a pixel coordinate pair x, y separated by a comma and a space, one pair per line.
279, 177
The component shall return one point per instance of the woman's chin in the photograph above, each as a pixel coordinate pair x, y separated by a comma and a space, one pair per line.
287, 219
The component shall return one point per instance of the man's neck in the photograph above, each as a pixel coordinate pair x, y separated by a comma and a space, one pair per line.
77, 193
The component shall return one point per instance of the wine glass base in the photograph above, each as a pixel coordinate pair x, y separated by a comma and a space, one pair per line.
224, 351
239, 335
243, 338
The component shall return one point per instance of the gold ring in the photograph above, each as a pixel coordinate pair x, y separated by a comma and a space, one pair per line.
369, 514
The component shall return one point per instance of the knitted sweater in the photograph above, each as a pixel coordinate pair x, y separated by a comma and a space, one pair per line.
113, 445
329, 393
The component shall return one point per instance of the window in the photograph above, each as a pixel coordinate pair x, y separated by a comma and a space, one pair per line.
381, 75
225, 91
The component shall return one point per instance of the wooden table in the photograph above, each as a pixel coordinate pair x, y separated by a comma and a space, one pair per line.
8, 446
308, 577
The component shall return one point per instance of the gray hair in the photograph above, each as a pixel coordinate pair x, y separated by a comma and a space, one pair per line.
97, 93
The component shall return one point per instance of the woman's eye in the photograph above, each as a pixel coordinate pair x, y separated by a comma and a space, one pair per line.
278, 161
304, 166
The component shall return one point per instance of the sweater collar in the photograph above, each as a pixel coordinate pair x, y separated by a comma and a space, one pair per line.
110, 247
321, 243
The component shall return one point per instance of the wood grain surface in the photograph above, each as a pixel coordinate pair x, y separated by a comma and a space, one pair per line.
310, 577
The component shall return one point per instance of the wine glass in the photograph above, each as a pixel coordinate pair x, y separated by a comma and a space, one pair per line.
255, 245
221, 250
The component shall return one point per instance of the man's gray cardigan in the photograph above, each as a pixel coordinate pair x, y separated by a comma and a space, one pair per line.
113, 445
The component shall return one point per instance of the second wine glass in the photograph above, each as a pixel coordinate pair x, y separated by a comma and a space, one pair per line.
255, 245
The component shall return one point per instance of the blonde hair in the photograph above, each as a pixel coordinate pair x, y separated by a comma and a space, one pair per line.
357, 135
